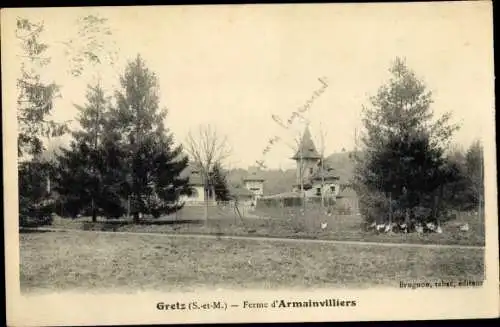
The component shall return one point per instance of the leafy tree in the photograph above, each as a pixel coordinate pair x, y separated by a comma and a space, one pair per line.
402, 161
153, 162
35, 204
454, 193
35, 97
218, 180
466, 192
475, 167
93, 45
34, 105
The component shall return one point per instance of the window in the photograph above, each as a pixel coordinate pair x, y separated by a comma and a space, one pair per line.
209, 192
332, 188
318, 191
310, 170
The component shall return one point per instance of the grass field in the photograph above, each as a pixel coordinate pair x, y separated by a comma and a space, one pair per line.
54, 261
342, 228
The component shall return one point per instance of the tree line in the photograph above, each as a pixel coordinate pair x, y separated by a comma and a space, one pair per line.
122, 160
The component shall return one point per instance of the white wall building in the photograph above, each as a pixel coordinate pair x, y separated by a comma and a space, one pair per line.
324, 182
198, 195
254, 182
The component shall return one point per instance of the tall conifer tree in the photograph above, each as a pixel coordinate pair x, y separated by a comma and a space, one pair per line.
219, 182
402, 165
154, 163
89, 175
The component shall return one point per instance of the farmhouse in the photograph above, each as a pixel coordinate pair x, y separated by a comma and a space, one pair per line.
198, 194
315, 176
316, 179
254, 182
253, 189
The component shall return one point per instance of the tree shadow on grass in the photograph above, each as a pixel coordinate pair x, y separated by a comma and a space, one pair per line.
31, 231
169, 222
115, 225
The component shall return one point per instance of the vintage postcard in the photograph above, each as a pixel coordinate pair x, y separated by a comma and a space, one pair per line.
249, 163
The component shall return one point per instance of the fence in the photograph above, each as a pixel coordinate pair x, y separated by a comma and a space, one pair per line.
230, 218
279, 207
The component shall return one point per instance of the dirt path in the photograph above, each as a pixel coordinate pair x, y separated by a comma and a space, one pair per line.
274, 239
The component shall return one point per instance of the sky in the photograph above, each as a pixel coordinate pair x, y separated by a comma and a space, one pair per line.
233, 67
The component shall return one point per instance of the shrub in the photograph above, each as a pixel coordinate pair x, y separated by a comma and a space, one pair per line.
374, 207
34, 215
35, 202
422, 214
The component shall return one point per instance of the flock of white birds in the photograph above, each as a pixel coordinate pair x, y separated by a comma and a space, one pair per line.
419, 228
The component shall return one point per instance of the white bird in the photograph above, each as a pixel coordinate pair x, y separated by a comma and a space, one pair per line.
439, 230
324, 225
464, 228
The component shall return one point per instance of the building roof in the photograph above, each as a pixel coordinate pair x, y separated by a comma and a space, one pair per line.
254, 175
344, 165
347, 192
239, 192
307, 149
193, 174
328, 173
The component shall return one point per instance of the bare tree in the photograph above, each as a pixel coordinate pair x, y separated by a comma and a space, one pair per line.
206, 148
322, 145
295, 147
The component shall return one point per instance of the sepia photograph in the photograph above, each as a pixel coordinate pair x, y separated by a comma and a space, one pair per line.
249, 163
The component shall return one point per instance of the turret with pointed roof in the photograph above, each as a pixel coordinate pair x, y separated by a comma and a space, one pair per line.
307, 158
307, 149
